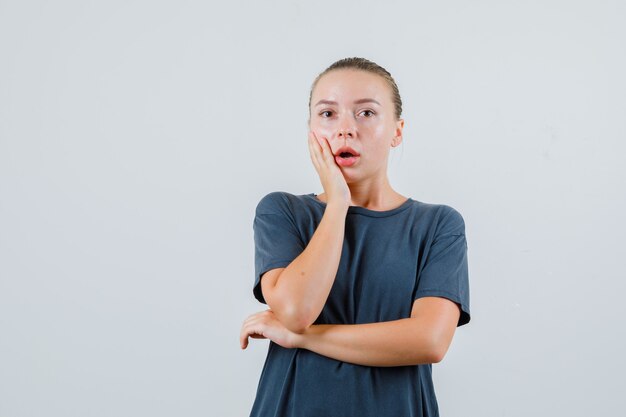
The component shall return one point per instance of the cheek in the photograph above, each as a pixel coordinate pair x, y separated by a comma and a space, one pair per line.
321, 129
380, 129
384, 134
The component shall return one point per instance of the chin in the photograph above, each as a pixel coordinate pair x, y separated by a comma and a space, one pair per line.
351, 178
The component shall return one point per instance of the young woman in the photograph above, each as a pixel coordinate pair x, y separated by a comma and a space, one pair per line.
365, 286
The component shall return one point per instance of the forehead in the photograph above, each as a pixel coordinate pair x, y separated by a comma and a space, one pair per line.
348, 85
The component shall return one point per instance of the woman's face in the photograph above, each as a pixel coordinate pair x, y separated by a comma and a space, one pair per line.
354, 108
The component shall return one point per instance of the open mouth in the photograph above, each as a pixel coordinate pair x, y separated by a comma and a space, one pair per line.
346, 159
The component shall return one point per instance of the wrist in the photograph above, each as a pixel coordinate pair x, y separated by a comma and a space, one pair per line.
337, 207
300, 340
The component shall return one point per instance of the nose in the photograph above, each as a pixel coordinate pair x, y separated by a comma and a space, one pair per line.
344, 133
345, 129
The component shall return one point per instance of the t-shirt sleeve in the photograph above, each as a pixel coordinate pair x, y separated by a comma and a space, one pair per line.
445, 271
277, 241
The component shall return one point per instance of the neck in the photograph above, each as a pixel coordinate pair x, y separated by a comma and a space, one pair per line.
374, 196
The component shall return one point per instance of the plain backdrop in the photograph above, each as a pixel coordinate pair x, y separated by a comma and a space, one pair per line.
136, 138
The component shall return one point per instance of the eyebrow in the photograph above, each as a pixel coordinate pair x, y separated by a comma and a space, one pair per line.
359, 101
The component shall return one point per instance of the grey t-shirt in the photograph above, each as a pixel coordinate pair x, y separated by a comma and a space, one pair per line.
389, 259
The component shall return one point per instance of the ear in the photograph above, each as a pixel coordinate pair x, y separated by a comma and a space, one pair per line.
397, 139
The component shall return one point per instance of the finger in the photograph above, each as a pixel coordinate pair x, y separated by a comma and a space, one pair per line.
243, 340
254, 315
324, 152
243, 337
256, 331
323, 144
316, 151
312, 149
321, 141
254, 324
250, 318
317, 140
245, 331
327, 153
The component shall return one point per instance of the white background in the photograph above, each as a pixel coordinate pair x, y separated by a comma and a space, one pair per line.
136, 138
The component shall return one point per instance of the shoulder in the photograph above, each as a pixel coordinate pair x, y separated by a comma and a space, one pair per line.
449, 220
279, 202
442, 217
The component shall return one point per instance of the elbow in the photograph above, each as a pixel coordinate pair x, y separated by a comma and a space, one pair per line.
438, 352
296, 319
298, 328
429, 350
437, 356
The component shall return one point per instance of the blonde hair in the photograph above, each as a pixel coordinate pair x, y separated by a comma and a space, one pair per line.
364, 65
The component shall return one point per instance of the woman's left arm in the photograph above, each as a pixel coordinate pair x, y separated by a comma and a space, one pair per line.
423, 338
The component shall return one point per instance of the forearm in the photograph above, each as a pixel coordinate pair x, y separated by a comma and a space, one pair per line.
392, 343
303, 287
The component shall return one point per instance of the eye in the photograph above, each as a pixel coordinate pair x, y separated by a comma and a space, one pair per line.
371, 113
325, 111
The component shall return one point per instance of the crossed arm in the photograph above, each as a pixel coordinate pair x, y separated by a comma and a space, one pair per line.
423, 338
296, 295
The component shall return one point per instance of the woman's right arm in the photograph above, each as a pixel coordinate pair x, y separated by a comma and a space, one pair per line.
296, 294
